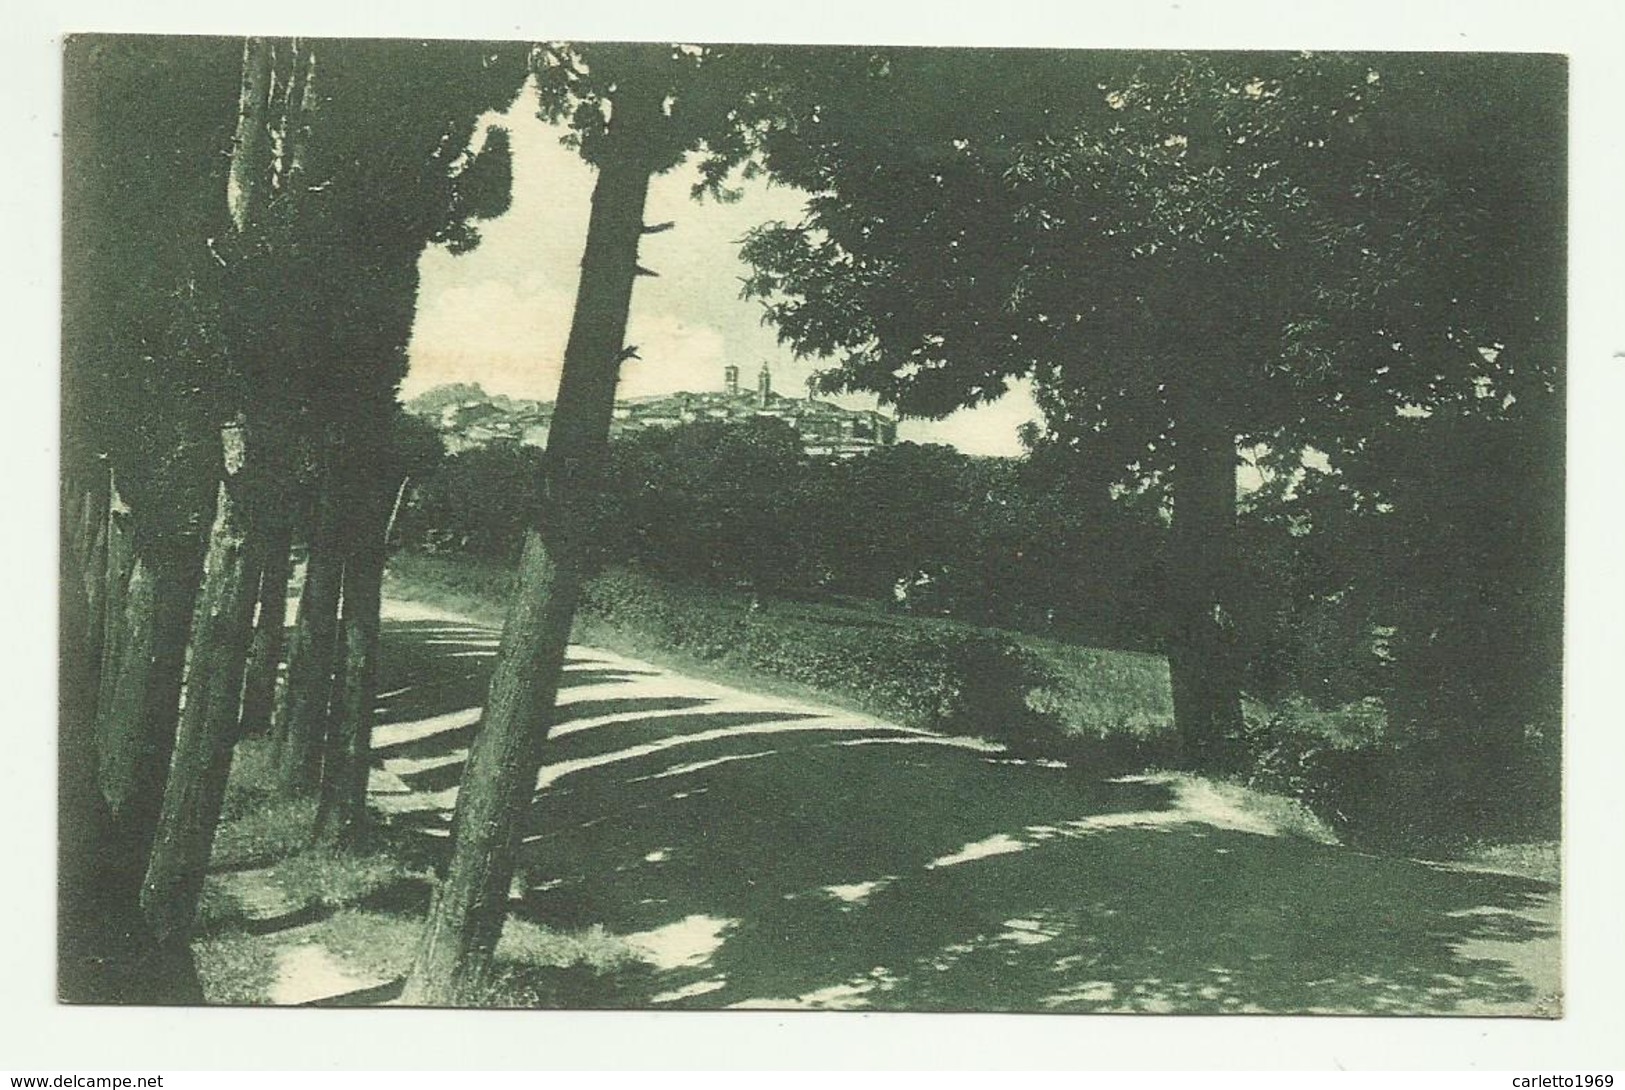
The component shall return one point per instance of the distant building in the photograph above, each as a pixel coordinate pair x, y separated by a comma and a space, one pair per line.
467, 418
826, 429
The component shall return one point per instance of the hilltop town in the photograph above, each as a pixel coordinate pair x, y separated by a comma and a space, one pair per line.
467, 417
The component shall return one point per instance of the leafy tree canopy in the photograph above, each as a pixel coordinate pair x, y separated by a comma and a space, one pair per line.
1263, 236
377, 158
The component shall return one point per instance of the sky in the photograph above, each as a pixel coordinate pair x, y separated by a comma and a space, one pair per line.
499, 316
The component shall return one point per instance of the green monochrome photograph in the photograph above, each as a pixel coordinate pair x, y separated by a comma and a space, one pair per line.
663, 526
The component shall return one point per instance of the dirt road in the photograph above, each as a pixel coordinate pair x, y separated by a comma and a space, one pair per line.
766, 853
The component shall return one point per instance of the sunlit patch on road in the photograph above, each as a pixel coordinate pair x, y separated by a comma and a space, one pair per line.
688, 991
997, 844
856, 893
688, 943
848, 995
386, 736
700, 766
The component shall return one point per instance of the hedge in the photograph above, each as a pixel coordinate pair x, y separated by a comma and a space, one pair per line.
942, 677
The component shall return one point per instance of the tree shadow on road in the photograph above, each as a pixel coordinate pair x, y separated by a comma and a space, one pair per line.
790, 860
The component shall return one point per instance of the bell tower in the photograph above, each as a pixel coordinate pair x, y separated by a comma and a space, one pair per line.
730, 379
764, 385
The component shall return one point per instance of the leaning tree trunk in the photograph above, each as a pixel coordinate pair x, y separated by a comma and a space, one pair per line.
499, 779
1203, 664
222, 623
265, 653
150, 590
222, 626
301, 716
342, 810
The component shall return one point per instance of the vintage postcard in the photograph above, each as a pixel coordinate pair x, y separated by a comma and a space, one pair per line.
698, 525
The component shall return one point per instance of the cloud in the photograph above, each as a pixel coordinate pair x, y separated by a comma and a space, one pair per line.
988, 429
674, 354
508, 337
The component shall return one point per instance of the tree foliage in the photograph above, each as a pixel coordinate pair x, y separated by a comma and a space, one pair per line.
386, 162
141, 340
991, 540
1151, 228
1191, 252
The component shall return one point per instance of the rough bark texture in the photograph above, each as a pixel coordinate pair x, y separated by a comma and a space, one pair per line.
301, 720
91, 574
499, 779
221, 629
341, 813
137, 728
82, 534
105, 952
116, 556
222, 623
1202, 657
265, 653
118, 707
253, 152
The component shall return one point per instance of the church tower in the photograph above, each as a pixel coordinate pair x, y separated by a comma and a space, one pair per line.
730, 379
764, 385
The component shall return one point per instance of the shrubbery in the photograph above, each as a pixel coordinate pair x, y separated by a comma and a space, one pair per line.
942, 676
1347, 765
1378, 788
1100, 710
995, 541
1375, 786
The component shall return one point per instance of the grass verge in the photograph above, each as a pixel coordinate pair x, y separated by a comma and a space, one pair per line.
1033, 693
271, 890
1103, 709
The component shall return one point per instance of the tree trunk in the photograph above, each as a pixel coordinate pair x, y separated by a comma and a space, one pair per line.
341, 814
395, 512
1202, 657
221, 629
90, 573
301, 721
137, 726
105, 951
87, 494
499, 779
116, 553
265, 653
253, 155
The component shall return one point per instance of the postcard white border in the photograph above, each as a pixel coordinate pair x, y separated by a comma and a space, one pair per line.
37, 1034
